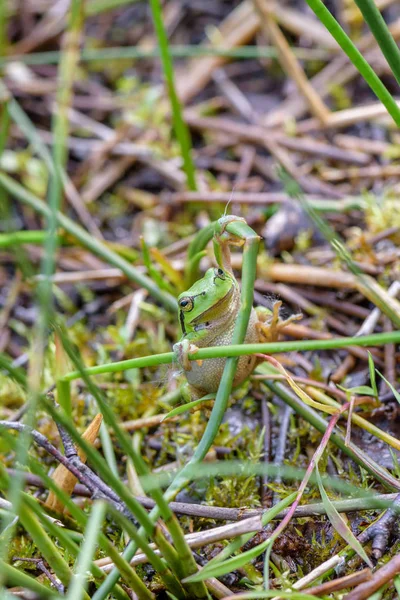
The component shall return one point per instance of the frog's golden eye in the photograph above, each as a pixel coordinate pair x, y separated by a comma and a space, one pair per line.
186, 304
220, 273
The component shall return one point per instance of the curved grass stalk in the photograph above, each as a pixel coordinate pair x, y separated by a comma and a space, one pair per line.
196, 252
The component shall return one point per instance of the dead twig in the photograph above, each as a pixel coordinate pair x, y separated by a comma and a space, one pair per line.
378, 579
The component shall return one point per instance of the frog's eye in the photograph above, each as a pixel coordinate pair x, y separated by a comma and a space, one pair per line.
186, 304
220, 273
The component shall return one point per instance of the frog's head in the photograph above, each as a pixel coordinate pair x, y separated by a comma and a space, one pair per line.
206, 301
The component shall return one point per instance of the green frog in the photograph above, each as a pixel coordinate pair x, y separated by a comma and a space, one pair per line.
207, 315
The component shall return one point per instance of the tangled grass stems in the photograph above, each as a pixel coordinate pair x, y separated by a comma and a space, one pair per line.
88, 241
44, 292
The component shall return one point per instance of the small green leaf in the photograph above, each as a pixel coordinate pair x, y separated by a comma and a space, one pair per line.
362, 390
185, 407
372, 374
395, 392
338, 522
396, 463
232, 564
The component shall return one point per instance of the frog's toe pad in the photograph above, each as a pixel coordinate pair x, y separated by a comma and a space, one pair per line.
182, 351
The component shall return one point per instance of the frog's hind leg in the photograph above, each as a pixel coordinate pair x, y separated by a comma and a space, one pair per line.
269, 322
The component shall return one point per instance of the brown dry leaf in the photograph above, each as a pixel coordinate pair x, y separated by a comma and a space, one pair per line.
62, 477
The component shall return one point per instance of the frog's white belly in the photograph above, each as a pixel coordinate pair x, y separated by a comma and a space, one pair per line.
207, 376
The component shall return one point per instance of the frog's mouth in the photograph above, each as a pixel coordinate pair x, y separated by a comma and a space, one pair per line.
209, 316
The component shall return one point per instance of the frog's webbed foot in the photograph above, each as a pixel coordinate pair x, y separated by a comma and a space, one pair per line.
183, 350
269, 322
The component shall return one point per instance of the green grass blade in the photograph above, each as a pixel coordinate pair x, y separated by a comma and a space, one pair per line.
338, 522
396, 394
356, 58
95, 7
366, 284
108, 449
16, 577
176, 51
232, 564
66, 75
79, 581
18, 115
15, 373
181, 129
186, 563
81, 518
22, 237
236, 544
5, 118
382, 34
45, 545
372, 374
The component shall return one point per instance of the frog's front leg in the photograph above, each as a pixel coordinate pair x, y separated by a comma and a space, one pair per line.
183, 350
269, 322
